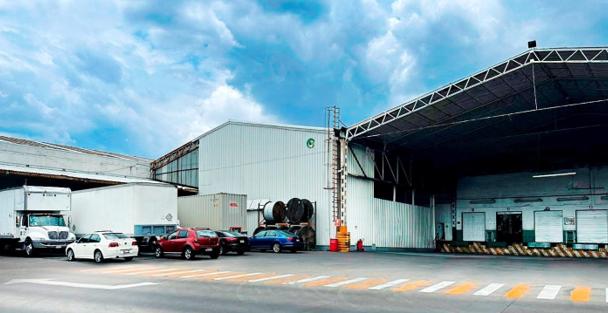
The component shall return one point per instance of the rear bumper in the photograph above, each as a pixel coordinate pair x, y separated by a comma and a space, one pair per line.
114, 254
208, 250
293, 246
236, 247
51, 244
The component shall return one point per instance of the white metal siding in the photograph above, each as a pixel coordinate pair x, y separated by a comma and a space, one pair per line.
380, 222
473, 226
267, 162
592, 226
548, 226
212, 211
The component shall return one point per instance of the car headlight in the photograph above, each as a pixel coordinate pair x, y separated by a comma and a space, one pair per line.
71, 237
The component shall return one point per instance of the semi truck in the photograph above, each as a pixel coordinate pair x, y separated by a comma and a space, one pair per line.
33, 218
144, 211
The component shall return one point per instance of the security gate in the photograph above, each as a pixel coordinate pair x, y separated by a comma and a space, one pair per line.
473, 226
592, 226
548, 226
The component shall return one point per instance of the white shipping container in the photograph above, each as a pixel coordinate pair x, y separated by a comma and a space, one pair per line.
215, 211
122, 208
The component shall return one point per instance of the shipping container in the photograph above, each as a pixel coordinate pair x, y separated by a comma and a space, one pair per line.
215, 211
142, 210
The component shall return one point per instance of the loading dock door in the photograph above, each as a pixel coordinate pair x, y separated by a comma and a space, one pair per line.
548, 226
474, 226
592, 226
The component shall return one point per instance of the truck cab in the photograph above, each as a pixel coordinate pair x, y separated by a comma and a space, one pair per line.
43, 230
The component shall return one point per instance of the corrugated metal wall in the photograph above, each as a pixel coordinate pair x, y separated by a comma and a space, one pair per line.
214, 211
380, 222
267, 162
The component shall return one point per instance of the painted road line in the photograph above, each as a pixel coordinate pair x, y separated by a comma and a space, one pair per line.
549, 292
259, 280
285, 281
206, 274
346, 282
460, 289
76, 285
413, 285
177, 273
581, 294
389, 284
366, 284
129, 269
237, 276
488, 290
437, 287
327, 281
152, 271
606, 295
307, 280
517, 291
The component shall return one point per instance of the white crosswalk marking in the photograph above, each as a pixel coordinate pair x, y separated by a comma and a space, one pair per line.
488, 290
270, 278
346, 282
308, 280
207, 274
237, 276
549, 292
606, 295
389, 284
438, 286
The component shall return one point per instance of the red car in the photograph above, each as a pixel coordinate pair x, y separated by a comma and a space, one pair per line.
189, 242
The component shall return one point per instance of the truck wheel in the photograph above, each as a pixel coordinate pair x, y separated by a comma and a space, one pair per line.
189, 254
276, 247
70, 255
98, 257
158, 252
29, 248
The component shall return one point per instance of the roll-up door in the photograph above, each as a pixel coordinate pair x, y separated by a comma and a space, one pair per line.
548, 226
474, 226
592, 226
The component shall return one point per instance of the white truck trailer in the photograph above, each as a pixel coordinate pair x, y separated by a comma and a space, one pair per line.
33, 218
144, 211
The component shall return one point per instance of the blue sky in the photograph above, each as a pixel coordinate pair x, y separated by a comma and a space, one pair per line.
142, 77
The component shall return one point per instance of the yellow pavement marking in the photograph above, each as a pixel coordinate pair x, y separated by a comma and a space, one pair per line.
413, 285
581, 294
247, 278
212, 277
205, 274
135, 269
286, 280
326, 281
366, 284
181, 272
462, 288
116, 269
152, 271
517, 291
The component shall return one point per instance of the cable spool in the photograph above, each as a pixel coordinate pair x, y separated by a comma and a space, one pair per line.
274, 212
295, 210
309, 210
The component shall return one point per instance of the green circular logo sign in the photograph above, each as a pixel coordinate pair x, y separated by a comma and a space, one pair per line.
310, 143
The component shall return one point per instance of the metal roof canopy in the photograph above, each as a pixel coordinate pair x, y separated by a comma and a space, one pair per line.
554, 98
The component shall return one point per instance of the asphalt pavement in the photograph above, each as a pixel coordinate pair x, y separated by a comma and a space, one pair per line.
305, 282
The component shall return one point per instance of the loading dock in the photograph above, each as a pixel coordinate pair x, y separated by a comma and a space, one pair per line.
509, 227
548, 226
474, 226
592, 226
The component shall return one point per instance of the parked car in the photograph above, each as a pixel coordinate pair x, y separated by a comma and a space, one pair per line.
232, 242
189, 242
275, 240
103, 245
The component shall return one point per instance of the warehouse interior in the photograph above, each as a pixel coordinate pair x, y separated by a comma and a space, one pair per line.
514, 153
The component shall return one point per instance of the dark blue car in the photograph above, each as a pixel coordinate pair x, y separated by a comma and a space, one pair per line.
275, 240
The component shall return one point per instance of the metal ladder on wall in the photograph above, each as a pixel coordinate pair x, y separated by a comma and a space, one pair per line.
334, 182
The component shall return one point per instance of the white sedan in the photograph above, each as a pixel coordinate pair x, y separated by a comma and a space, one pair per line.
103, 245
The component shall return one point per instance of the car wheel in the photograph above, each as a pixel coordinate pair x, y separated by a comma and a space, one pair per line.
29, 248
294, 250
223, 251
129, 259
188, 254
276, 247
70, 255
215, 254
240, 252
158, 252
98, 257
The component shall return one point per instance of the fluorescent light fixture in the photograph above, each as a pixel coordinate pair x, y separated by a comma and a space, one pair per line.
555, 175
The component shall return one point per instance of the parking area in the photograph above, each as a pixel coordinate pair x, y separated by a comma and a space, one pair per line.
307, 282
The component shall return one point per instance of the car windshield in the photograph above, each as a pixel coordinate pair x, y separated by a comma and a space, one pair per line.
205, 233
46, 220
228, 234
285, 233
111, 236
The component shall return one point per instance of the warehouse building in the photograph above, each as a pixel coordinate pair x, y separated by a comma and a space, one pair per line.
512, 156
29, 162
265, 162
